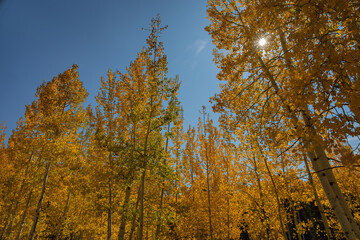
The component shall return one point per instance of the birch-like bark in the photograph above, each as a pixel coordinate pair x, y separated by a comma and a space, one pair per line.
323, 168
321, 165
318, 203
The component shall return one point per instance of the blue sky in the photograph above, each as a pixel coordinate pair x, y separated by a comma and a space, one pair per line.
41, 38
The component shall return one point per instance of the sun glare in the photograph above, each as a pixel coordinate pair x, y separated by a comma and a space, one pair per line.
262, 42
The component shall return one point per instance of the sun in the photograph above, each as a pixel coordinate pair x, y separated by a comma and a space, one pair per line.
262, 41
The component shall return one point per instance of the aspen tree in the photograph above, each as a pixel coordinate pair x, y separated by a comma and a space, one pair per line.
206, 141
306, 95
107, 134
158, 91
60, 115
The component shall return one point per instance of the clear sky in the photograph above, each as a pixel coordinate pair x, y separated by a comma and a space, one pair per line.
41, 38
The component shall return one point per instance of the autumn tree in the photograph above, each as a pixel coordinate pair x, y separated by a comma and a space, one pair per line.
155, 117
60, 115
131, 134
109, 135
45, 138
304, 73
21, 152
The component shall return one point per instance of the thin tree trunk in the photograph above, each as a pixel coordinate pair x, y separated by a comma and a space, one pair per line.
228, 218
141, 217
176, 179
207, 175
124, 215
142, 193
6, 224
38, 209
296, 221
277, 197
12, 215
23, 218
262, 210
109, 221
63, 216
275, 190
109, 213
13, 212
138, 194
176, 194
134, 217
209, 200
293, 214
158, 227
289, 237
192, 181
227, 199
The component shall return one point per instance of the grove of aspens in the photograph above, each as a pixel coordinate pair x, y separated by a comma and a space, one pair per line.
281, 161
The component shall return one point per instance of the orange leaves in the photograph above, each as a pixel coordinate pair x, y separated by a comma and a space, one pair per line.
311, 72
298, 88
